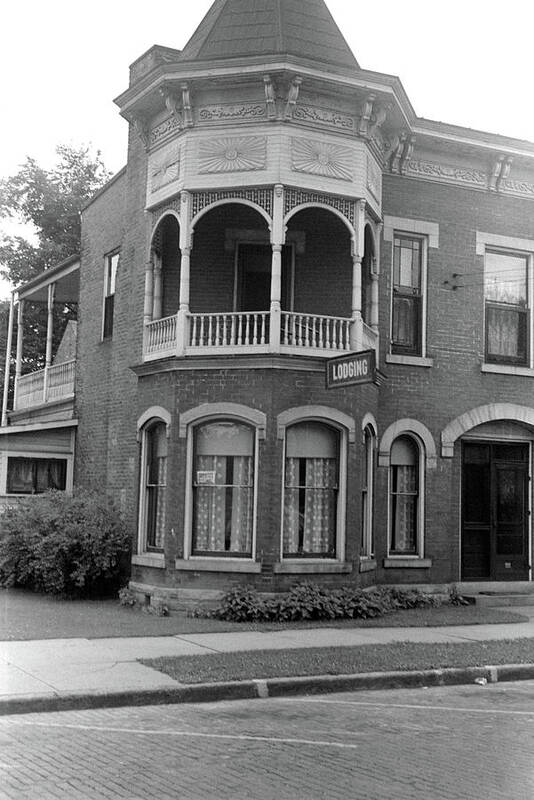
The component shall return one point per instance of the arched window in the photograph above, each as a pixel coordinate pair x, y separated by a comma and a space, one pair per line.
368, 480
405, 497
311, 486
154, 486
223, 489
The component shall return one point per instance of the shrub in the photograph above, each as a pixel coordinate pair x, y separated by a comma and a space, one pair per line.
308, 601
71, 545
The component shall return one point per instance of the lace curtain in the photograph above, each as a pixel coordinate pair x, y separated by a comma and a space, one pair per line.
404, 509
310, 510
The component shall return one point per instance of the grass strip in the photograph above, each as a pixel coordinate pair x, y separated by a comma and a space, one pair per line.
341, 660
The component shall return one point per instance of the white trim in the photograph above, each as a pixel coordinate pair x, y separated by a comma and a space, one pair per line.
407, 426
45, 455
477, 416
325, 414
484, 240
420, 544
142, 505
38, 426
407, 225
407, 562
154, 560
154, 412
213, 564
508, 369
411, 361
257, 419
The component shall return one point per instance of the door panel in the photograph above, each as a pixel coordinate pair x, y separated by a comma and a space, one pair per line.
495, 511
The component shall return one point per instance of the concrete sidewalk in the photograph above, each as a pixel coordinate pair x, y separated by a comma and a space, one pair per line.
56, 674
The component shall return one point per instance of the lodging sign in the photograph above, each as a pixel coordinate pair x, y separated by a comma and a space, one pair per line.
351, 368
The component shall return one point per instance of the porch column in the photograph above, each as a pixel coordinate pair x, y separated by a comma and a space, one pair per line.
182, 321
20, 342
148, 309
8, 361
356, 315
277, 242
49, 335
157, 308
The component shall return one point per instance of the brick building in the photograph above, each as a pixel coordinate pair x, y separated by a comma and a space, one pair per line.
282, 207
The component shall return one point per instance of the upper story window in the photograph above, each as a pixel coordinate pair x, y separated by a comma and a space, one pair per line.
110, 280
223, 489
507, 312
407, 309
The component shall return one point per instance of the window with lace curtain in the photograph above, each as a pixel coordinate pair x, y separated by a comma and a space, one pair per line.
154, 475
311, 486
35, 475
506, 307
404, 497
223, 489
368, 479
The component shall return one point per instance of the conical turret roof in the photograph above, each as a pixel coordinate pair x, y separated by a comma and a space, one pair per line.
238, 28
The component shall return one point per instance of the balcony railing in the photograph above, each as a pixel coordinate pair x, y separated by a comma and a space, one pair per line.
45, 386
255, 331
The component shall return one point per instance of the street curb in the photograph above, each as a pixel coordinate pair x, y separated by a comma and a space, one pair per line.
264, 688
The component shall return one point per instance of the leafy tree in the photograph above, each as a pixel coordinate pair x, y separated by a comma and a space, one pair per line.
50, 201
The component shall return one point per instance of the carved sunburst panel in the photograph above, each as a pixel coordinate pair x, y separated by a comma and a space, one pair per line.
164, 170
233, 154
318, 158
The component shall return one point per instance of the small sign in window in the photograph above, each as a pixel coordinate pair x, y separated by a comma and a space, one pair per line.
206, 477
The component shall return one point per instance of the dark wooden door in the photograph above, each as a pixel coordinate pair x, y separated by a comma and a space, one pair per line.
254, 277
495, 511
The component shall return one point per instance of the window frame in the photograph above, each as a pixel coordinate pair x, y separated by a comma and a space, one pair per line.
143, 548
193, 425
367, 544
343, 434
419, 350
111, 270
420, 510
36, 454
496, 360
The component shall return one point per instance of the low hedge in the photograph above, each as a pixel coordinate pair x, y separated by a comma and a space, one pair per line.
308, 601
69, 545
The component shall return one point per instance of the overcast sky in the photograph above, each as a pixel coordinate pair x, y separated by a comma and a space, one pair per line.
466, 62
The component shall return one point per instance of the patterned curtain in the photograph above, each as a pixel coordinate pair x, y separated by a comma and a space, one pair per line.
241, 531
210, 506
404, 509
310, 510
503, 332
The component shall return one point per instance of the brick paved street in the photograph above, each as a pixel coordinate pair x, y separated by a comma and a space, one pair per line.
461, 743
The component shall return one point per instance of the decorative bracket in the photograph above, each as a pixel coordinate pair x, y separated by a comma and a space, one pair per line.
292, 96
380, 117
500, 171
141, 127
367, 111
171, 103
270, 97
187, 111
401, 153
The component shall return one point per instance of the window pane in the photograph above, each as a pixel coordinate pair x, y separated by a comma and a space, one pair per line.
404, 490
506, 278
223, 489
407, 262
310, 492
156, 485
36, 475
506, 333
405, 333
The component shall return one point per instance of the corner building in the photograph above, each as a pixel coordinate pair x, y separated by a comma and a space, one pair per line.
280, 207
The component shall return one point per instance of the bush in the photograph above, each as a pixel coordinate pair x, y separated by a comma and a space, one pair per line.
308, 601
70, 545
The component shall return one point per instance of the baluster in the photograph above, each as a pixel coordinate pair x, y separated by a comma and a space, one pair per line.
294, 330
263, 327
254, 329
320, 333
233, 330
328, 334
247, 329
194, 331
210, 330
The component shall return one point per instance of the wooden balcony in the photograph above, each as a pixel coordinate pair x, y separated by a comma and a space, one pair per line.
255, 332
47, 385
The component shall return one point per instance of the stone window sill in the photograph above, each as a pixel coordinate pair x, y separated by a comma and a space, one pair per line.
156, 560
308, 567
367, 564
217, 565
400, 562
409, 361
508, 369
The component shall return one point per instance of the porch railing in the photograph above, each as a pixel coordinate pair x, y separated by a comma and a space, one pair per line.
196, 333
313, 331
244, 329
45, 386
